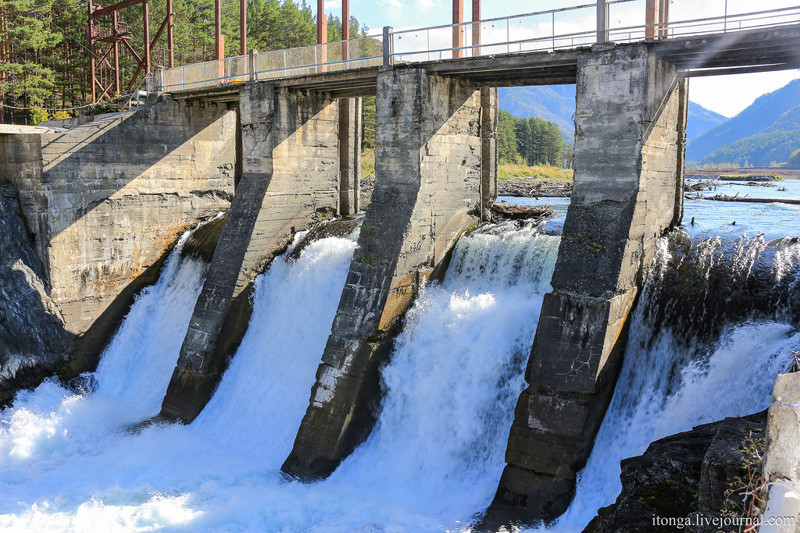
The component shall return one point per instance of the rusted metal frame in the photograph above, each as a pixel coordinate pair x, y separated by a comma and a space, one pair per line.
146, 21
242, 26
458, 29
90, 39
170, 34
476, 27
100, 11
663, 20
650, 20
220, 52
345, 29
152, 47
132, 51
116, 51
321, 53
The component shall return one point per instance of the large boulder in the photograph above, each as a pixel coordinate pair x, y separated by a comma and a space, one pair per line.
699, 476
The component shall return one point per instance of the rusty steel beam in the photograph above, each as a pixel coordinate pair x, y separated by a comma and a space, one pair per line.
663, 19
650, 20
146, 20
100, 11
219, 43
458, 31
322, 23
170, 35
476, 28
345, 28
90, 38
243, 26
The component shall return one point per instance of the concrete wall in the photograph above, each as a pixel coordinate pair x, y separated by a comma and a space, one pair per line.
629, 133
105, 201
427, 189
290, 175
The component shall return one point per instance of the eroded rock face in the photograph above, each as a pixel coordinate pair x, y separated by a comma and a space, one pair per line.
33, 340
699, 473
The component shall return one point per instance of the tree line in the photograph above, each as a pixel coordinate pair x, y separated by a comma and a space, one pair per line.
530, 141
44, 53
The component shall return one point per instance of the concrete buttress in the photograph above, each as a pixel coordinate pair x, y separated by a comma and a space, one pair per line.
290, 173
349, 155
427, 190
630, 125
106, 201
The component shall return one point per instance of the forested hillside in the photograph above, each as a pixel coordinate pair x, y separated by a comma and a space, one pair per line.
701, 120
44, 56
556, 103
766, 132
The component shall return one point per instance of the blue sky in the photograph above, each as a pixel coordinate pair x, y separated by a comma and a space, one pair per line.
724, 94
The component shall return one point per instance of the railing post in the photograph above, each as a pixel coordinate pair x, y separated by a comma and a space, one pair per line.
602, 21
159, 80
251, 64
387, 46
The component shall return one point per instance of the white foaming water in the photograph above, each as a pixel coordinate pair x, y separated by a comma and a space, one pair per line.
733, 377
432, 462
131, 378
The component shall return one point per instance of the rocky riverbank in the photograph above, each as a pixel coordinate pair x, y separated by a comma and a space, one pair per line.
534, 187
698, 476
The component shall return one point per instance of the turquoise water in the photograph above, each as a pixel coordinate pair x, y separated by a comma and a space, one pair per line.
711, 218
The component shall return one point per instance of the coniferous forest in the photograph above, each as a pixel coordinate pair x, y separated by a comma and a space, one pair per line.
44, 53
530, 141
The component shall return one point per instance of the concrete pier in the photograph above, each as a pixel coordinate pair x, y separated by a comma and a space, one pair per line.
290, 175
349, 155
428, 184
629, 145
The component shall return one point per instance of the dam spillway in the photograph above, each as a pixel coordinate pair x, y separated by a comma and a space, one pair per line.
277, 154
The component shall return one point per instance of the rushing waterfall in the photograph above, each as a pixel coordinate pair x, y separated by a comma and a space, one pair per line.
717, 321
435, 456
433, 459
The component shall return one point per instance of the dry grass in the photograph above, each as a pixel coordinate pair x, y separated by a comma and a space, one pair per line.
508, 171
367, 162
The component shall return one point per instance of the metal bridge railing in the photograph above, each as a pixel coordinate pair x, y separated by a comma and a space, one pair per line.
552, 30
328, 57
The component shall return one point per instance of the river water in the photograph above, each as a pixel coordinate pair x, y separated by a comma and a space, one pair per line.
69, 462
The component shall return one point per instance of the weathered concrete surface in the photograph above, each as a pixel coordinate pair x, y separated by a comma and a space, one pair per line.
782, 456
33, 341
629, 131
290, 175
349, 155
107, 200
489, 147
427, 189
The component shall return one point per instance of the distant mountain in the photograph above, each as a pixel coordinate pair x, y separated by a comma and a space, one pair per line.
701, 120
760, 134
556, 103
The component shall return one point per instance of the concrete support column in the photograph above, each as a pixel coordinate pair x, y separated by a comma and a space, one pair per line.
489, 103
427, 190
629, 125
349, 155
290, 172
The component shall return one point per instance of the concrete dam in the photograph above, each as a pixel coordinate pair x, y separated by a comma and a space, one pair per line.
218, 306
